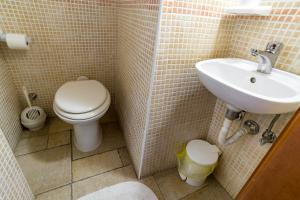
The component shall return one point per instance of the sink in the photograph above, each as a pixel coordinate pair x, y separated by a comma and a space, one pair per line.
236, 82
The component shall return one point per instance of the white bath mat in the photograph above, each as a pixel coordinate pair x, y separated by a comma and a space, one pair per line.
126, 191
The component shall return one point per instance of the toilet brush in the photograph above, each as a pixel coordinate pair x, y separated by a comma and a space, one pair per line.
32, 113
32, 117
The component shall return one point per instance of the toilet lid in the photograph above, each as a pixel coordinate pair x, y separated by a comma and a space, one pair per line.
80, 96
202, 152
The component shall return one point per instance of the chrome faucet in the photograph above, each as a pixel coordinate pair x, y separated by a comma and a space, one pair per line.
267, 58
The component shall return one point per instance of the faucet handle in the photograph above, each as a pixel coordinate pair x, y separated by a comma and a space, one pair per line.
267, 137
254, 52
273, 47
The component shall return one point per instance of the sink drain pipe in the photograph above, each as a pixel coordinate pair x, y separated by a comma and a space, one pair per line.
249, 126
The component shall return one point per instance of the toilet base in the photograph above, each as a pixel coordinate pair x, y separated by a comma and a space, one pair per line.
87, 136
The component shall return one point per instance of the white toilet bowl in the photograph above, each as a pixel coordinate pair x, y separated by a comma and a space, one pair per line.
82, 103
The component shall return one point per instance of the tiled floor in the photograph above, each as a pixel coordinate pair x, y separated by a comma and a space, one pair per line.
56, 170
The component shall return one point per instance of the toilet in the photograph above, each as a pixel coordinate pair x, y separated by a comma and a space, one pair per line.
82, 103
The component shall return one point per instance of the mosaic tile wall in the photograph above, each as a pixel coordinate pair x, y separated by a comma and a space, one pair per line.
282, 25
9, 107
239, 160
160, 101
13, 185
137, 25
181, 108
70, 38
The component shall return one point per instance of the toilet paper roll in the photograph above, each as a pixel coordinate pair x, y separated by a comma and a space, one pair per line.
17, 41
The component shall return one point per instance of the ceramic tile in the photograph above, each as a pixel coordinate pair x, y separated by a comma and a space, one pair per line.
58, 139
134, 69
47, 169
98, 182
58, 54
101, 181
32, 144
13, 184
96, 164
112, 139
213, 191
57, 125
125, 157
151, 183
28, 134
63, 193
181, 107
10, 107
109, 117
171, 185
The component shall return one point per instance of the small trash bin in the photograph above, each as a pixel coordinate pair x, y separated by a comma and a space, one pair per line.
196, 161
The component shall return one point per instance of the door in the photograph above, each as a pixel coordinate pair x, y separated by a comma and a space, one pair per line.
278, 175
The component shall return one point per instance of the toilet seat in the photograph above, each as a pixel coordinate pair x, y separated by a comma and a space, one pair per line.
80, 96
71, 117
81, 100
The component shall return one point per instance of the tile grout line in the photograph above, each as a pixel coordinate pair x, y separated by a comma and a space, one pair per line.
99, 174
120, 157
41, 150
71, 141
52, 189
203, 187
99, 153
47, 140
46, 147
130, 160
162, 194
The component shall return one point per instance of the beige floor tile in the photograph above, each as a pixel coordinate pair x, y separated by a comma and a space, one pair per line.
124, 155
96, 164
151, 183
57, 125
171, 185
95, 183
112, 139
213, 191
46, 170
28, 134
31, 144
58, 139
63, 193
109, 117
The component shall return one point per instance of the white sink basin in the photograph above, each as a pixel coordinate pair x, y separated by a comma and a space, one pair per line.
230, 80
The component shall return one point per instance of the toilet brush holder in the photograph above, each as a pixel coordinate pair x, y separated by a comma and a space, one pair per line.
32, 117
